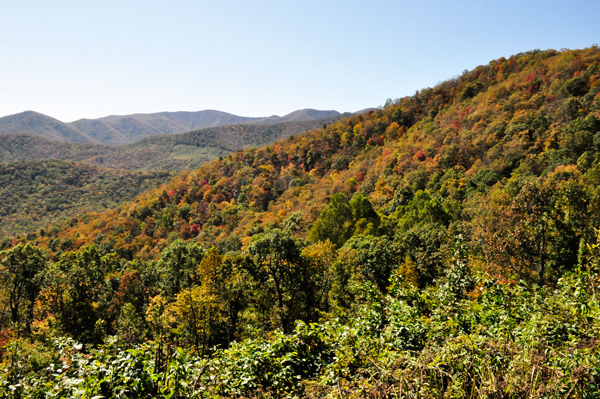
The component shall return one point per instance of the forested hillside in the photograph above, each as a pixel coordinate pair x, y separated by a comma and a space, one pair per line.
28, 202
37, 194
442, 246
162, 152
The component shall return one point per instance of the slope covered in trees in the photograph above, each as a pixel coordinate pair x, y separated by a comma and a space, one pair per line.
162, 152
37, 194
442, 246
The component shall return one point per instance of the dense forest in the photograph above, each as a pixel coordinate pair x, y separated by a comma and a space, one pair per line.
37, 194
444, 245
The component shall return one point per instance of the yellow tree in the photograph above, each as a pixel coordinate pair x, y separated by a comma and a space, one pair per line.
194, 311
319, 258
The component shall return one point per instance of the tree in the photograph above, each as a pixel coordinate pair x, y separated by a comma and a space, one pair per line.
73, 293
334, 222
130, 324
20, 271
319, 258
341, 218
374, 258
228, 282
421, 232
158, 319
130, 292
365, 219
193, 312
279, 265
537, 234
177, 266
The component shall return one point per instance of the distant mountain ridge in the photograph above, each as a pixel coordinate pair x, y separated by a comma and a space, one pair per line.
127, 129
159, 152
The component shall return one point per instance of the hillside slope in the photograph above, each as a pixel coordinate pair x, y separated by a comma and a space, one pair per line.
36, 194
126, 129
23, 210
520, 117
44, 126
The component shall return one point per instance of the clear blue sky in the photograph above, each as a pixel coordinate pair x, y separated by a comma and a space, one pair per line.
86, 59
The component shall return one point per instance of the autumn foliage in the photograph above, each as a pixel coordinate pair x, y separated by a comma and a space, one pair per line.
396, 251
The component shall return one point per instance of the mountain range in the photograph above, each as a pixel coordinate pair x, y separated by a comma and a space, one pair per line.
126, 129
160, 152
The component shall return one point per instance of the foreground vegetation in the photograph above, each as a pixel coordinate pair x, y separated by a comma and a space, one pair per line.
469, 337
442, 246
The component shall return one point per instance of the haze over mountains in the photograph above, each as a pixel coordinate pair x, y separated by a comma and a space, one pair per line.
126, 129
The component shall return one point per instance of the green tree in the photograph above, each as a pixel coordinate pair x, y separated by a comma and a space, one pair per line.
280, 267
193, 313
130, 326
334, 222
365, 220
177, 267
74, 293
420, 231
341, 218
363, 259
319, 258
229, 283
20, 272
537, 235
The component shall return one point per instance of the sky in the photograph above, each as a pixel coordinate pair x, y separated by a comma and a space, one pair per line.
92, 58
